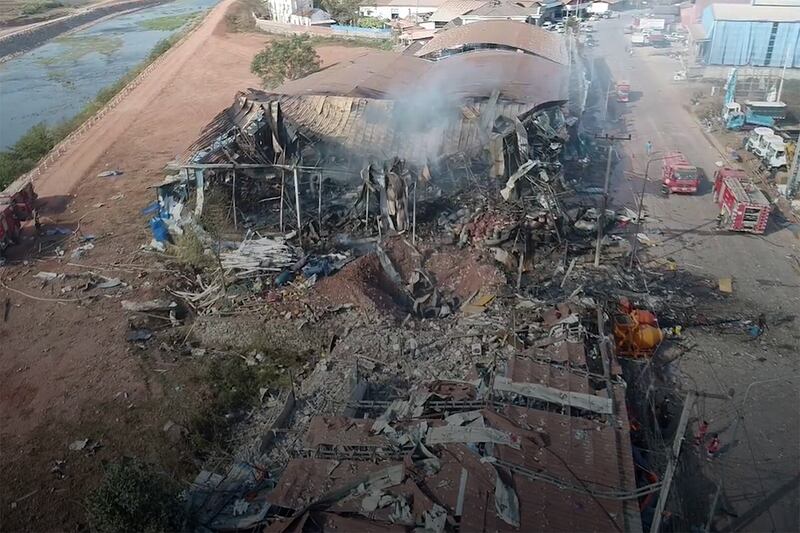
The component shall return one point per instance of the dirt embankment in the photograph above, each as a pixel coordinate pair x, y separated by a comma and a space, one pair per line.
38, 34
70, 372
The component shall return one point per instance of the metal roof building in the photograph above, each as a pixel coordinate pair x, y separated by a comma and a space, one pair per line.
742, 34
497, 34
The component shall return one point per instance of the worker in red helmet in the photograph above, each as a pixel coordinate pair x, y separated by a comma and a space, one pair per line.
700, 437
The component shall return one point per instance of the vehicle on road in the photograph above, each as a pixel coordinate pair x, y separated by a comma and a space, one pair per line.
638, 39
623, 91
15, 207
678, 175
743, 207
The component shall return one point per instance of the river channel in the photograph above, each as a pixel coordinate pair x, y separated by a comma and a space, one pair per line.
54, 82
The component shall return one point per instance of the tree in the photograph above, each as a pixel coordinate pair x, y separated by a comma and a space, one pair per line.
342, 11
287, 59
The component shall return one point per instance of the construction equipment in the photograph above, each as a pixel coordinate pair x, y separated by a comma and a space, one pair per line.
623, 91
15, 207
743, 207
734, 116
636, 331
678, 175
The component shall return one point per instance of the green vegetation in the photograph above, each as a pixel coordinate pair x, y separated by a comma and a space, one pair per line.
75, 47
40, 139
342, 11
371, 22
380, 44
286, 59
190, 251
167, 23
40, 6
239, 17
133, 497
235, 386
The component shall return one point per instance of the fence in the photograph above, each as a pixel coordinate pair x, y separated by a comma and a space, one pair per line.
365, 33
59, 149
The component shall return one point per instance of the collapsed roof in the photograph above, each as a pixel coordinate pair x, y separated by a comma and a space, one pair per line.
520, 449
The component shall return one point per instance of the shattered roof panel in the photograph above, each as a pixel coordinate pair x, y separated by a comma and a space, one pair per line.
379, 127
517, 35
523, 369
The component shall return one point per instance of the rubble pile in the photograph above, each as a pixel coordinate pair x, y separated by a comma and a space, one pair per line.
434, 275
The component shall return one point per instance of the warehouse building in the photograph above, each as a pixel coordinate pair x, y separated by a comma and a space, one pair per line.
745, 34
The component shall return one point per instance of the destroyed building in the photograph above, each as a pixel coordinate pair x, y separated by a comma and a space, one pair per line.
428, 183
383, 128
540, 444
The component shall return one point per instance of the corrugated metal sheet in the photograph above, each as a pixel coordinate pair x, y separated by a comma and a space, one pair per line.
520, 78
454, 8
746, 12
516, 35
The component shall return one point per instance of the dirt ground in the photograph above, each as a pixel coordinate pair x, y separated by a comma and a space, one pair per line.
67, 371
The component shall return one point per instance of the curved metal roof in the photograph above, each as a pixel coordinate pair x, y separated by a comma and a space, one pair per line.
499, 33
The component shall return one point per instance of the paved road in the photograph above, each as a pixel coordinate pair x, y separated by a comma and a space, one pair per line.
765, 451
658, 112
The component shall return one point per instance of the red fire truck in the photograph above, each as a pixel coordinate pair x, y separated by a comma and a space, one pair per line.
678, 175
743, 207
16, 205
623, 91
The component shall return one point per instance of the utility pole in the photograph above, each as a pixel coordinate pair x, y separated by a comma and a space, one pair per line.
672, 462
601, 217
793, 183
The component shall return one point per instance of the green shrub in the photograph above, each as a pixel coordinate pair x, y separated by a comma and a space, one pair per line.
133, 497
34, 8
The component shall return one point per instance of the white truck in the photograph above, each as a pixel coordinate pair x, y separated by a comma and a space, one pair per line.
768, 147
638, 39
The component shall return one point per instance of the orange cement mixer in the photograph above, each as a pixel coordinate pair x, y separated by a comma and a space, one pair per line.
636, 331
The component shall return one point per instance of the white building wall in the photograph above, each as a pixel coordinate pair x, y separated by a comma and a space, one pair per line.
395, 12
282, 10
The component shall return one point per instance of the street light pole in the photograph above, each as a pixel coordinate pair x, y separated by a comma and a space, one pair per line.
641, 207
602, 215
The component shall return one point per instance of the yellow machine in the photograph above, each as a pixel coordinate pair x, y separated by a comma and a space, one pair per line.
636, 331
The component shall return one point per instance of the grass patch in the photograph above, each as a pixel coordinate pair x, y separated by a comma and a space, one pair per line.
234, 386
40, 139
134, 497
35, 8
167, 23
190, 251
380, 44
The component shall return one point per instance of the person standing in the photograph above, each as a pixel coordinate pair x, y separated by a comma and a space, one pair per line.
648, 148
713, 446
700, 438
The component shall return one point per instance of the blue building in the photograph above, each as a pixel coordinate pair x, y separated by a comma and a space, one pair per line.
745, 34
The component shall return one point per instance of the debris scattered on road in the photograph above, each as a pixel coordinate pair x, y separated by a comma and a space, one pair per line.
109, 173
